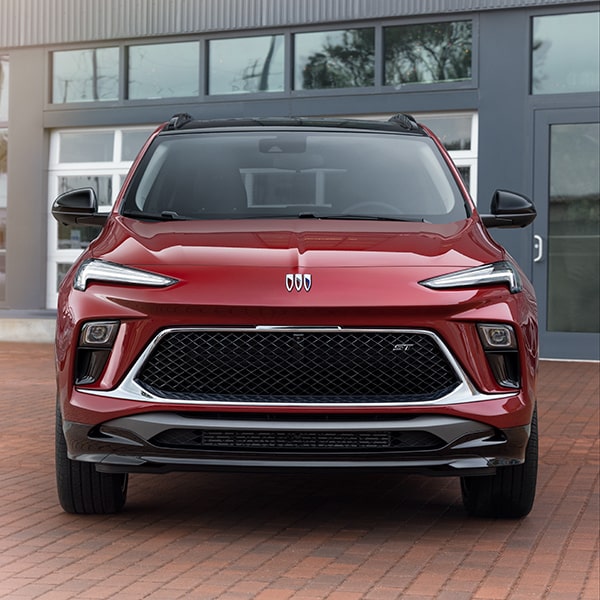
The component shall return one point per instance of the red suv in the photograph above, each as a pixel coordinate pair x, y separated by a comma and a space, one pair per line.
296, 293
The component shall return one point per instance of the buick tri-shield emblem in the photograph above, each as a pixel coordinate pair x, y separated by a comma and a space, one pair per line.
298, 282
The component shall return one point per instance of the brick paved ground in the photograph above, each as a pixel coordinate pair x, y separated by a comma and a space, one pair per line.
340, 537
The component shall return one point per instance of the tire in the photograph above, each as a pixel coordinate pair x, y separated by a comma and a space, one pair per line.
81, 489
511, 491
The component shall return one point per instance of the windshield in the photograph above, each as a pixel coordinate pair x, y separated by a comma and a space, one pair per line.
294, 174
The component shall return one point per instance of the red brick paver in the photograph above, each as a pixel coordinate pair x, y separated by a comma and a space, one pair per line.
297, 537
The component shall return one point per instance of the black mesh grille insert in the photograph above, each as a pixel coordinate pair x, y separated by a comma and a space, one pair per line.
299, 441
298, 367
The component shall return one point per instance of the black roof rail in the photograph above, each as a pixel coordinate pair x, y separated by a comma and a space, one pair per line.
177, 121
405, 121
400, 122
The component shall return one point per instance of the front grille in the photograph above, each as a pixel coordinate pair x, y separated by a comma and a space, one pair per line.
296, 441
322, 367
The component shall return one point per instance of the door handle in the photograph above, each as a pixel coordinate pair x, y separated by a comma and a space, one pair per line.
538, 248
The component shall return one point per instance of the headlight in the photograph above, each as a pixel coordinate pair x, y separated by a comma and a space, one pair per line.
99, 270
502, 272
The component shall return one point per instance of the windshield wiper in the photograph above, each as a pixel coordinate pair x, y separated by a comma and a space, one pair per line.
352, 217
171, 215
165, 215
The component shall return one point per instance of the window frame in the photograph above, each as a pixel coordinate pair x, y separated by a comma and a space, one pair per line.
206, 82
288, 91
125, 72
116, 168
448, 84
376, 59
93, 102
539, 96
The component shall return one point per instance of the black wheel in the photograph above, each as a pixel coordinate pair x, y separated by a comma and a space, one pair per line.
511, 491
81, 489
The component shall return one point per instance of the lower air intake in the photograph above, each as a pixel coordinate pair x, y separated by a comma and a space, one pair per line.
298, 441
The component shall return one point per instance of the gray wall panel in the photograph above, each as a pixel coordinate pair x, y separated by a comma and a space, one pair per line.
26, 231
503, 121
46, 22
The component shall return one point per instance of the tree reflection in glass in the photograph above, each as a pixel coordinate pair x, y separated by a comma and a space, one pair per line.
246, 65
335, 59
428, 53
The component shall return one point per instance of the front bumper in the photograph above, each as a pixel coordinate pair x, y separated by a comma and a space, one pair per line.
432, 444
368, 368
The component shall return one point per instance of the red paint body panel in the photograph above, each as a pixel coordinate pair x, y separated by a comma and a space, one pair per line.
237, 277
231, 273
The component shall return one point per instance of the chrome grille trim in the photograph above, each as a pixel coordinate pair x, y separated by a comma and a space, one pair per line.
129, 389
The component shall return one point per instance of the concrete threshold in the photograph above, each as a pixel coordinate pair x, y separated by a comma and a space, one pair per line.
27, 326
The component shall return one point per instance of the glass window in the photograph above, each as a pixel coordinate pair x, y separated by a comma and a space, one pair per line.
243, 65
287, 173
458, 132
132, 142
465, 173
3, 88
334, 59
574, 228
80, 236
76, 237
454, 131
566, 53
85, 75
91, 146
61, 272
102, 184
428, 53
164, 70
99, 159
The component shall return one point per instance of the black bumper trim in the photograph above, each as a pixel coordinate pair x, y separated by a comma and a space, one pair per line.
468, 447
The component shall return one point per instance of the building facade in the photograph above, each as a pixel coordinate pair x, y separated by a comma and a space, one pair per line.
511, 87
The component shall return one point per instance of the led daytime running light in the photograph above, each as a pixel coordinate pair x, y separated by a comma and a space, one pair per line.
99, 270
497, 273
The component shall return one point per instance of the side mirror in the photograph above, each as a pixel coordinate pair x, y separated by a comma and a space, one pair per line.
509, 210
78, 207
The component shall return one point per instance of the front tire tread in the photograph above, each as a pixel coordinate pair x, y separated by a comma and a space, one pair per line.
81, 489
511, 491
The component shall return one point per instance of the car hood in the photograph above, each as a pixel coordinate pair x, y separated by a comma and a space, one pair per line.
294, 244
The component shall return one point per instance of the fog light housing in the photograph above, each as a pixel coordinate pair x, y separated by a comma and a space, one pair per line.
99, 333
95, 343
497, 337
500, 345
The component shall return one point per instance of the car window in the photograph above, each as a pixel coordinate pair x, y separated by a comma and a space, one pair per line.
323, 174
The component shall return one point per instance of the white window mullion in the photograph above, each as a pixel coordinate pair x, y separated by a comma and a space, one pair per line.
115, 169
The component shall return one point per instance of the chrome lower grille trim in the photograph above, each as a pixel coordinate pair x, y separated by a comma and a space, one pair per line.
459, 388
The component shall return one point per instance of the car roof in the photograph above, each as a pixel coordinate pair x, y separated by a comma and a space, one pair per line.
400, 123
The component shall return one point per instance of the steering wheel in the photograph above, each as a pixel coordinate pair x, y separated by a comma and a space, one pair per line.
360, 207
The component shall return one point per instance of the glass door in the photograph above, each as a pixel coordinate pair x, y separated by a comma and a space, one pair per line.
567, 232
